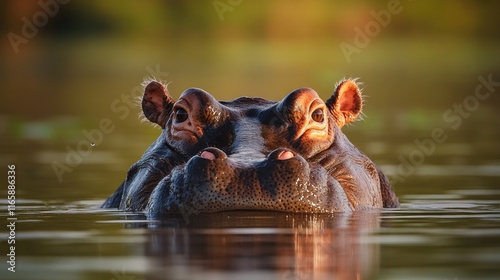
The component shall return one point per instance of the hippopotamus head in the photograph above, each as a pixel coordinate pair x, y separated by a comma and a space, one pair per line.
253, 154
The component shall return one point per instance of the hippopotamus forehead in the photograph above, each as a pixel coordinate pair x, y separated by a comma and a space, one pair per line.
247, 105
241, 107
248, 146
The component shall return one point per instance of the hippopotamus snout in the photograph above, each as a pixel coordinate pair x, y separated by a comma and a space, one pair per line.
281, 167
213, 181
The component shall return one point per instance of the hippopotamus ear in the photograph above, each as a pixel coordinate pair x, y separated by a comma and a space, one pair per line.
346, 102
157, 103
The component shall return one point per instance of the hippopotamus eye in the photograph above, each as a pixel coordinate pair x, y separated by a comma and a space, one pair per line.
180, 115
317, 115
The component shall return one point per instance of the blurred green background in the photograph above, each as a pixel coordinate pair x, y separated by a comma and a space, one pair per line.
86, 57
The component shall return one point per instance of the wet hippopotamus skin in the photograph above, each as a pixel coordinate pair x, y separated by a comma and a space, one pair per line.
252, 154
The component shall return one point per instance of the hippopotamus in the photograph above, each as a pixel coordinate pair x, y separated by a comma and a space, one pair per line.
251, 153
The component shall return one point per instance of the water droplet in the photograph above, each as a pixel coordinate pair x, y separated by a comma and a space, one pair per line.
92, 144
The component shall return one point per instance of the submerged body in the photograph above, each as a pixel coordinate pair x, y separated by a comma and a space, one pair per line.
251, 153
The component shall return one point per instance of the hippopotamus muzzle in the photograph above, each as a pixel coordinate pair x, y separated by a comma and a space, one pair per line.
213, 182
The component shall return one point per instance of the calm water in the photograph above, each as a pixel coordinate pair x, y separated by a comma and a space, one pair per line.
447, 228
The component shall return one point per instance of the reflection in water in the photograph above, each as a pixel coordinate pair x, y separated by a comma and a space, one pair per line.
262, 244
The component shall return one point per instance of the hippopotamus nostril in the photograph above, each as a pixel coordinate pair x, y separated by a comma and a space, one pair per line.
207, 155
281, 154
284, 155
212, 154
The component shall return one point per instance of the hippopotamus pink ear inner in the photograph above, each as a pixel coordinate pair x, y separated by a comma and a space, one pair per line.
157, 103
346, 102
